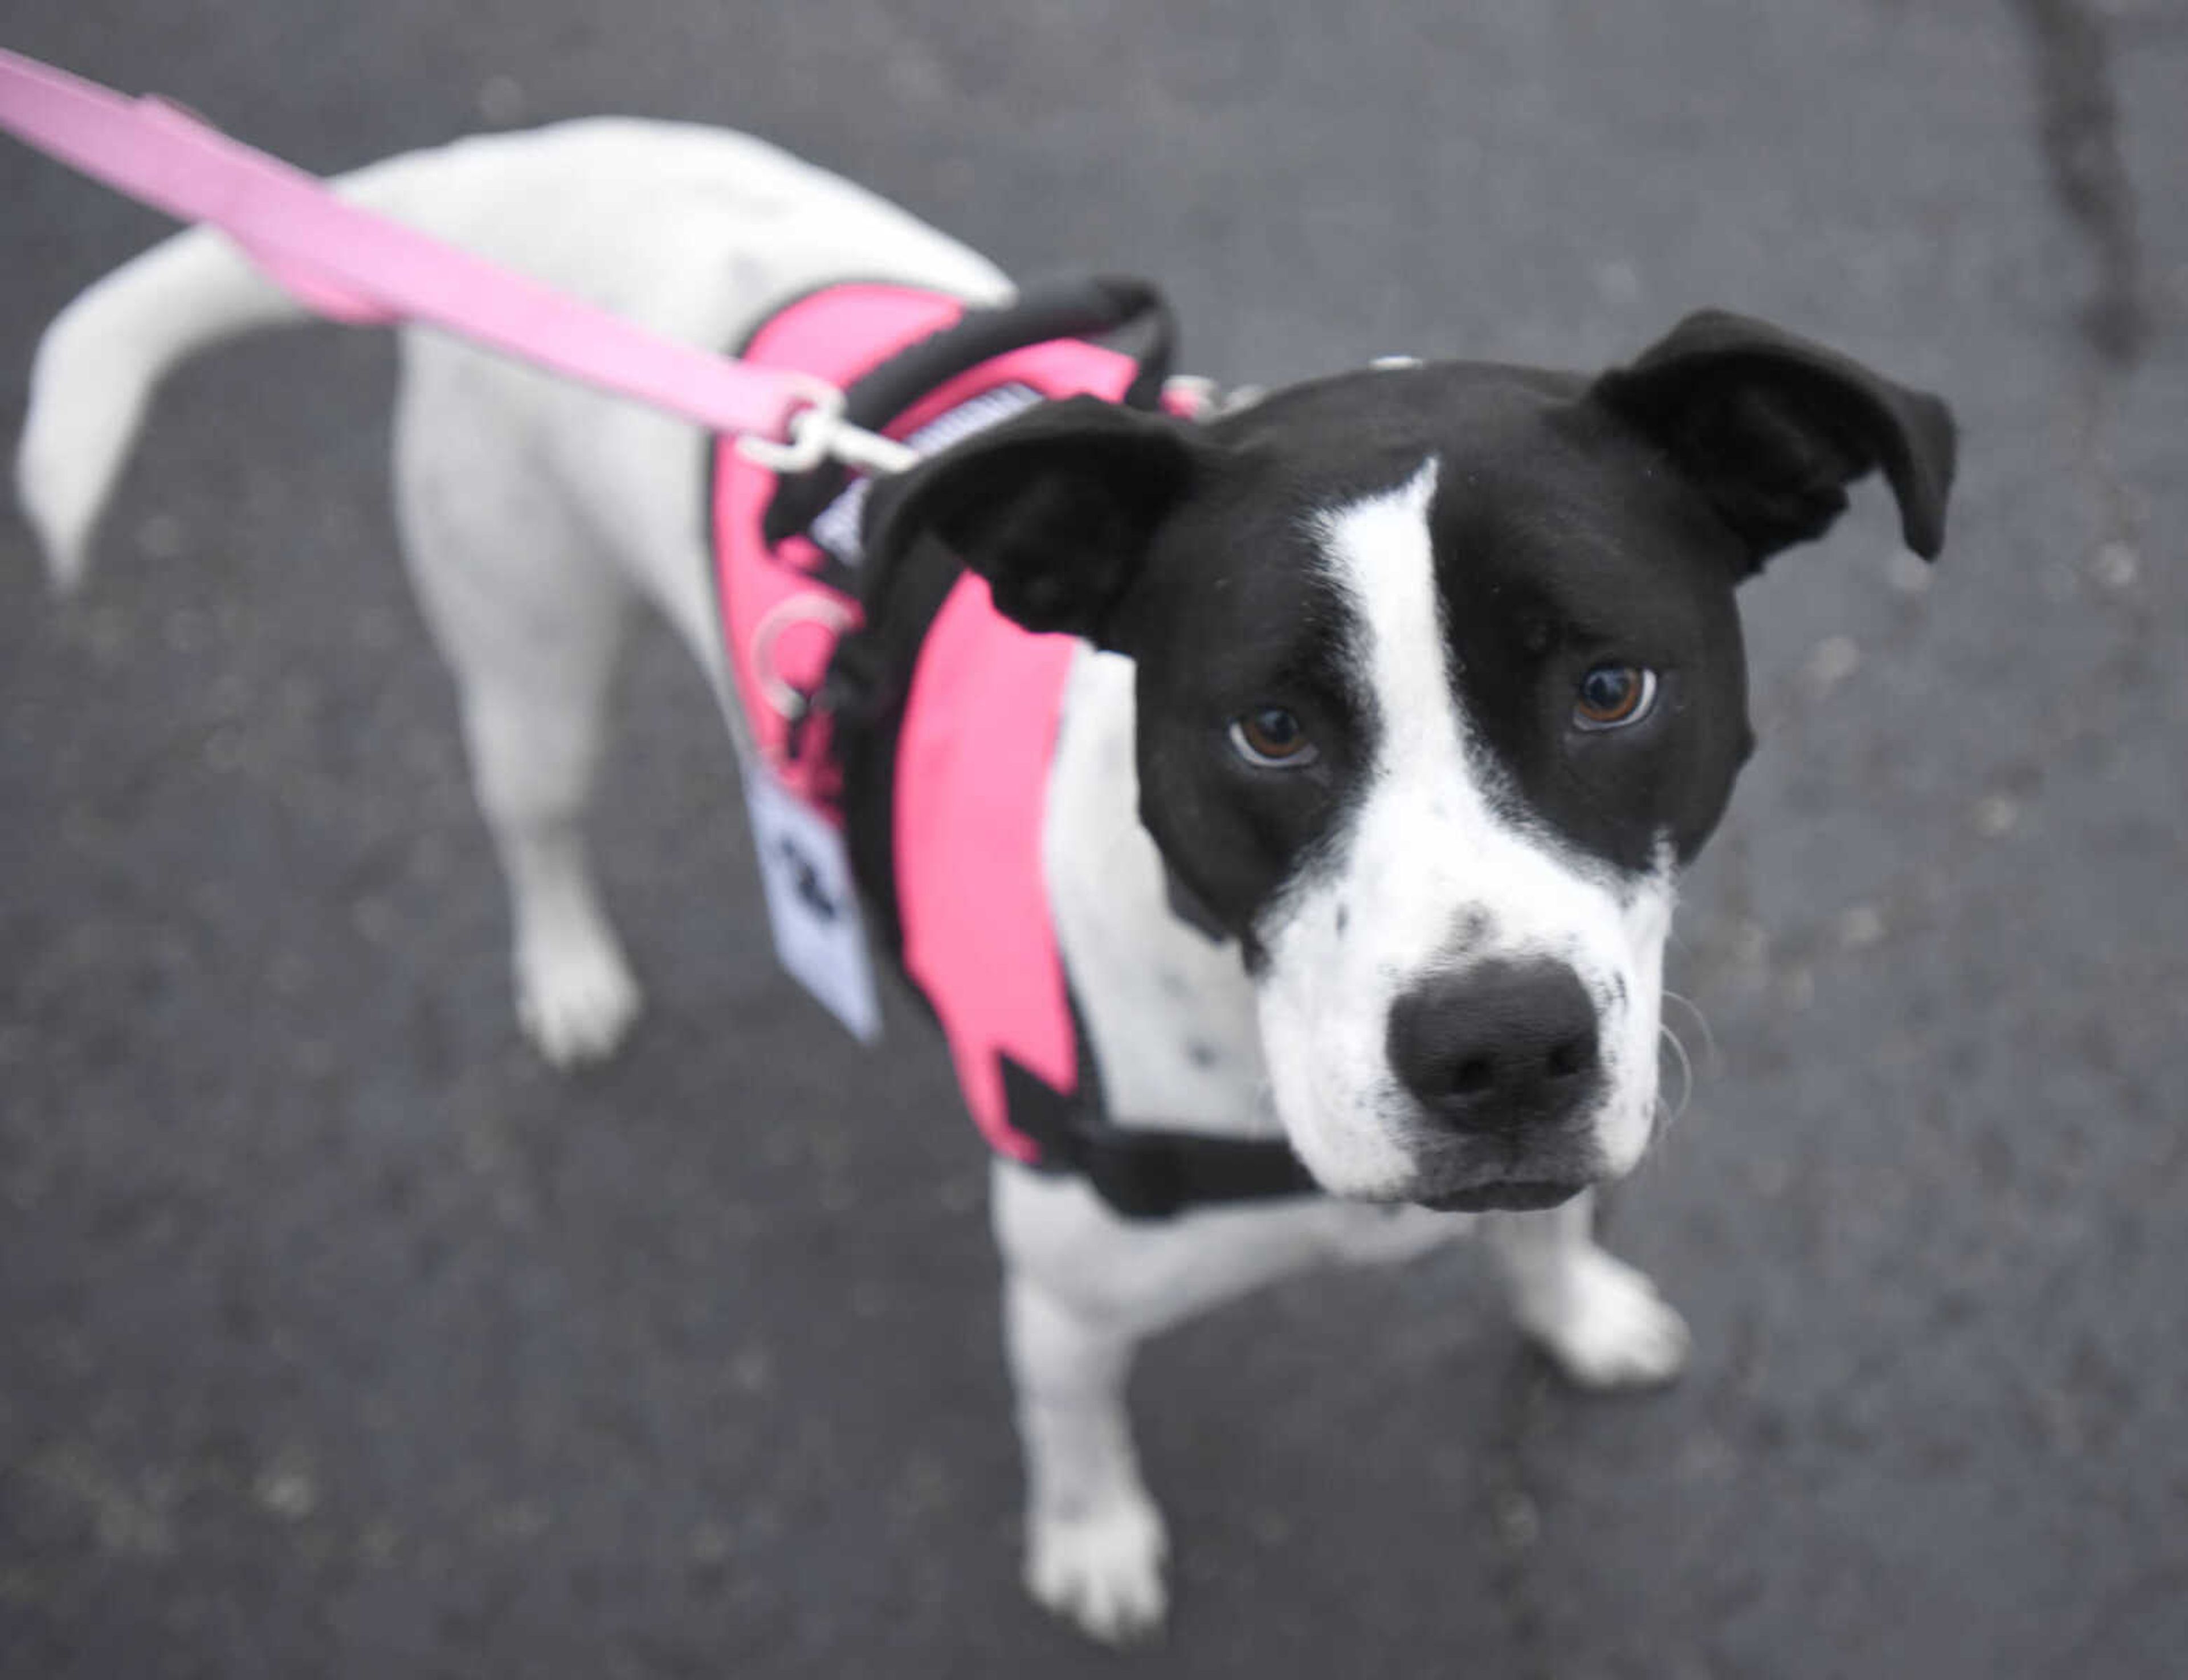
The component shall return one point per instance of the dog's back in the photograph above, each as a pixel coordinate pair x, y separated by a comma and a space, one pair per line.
686, 230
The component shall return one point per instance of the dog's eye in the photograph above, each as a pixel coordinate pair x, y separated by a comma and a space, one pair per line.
1612, 697
1271, 738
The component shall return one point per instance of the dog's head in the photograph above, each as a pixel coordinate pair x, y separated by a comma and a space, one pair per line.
1439, 682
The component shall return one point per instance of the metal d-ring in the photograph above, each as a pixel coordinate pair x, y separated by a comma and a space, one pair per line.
806, 431
807, 606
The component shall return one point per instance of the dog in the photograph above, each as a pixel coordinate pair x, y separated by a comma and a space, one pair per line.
1401, 698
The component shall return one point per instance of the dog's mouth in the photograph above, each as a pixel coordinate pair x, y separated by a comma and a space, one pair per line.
1506, 1195
1508, 1175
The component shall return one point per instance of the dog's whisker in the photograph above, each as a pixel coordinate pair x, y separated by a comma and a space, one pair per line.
1686, 1072
1709, 1038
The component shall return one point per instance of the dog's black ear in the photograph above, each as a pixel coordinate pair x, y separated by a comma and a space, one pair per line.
1055, 508
1772, 428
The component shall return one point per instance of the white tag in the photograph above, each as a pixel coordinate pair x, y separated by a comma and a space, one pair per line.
812, 906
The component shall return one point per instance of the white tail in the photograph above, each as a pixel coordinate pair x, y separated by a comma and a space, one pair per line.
98, 363
105, 355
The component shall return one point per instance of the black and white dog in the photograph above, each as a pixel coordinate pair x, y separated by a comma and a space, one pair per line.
1426, 680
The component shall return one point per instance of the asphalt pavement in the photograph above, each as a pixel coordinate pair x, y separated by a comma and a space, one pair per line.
338, 1337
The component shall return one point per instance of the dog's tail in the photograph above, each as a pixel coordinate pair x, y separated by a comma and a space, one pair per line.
98, 363
104, 354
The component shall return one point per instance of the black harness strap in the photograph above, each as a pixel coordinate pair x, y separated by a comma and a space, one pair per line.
1085, 308
1144, 1172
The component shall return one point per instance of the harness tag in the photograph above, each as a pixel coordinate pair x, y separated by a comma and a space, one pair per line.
812, 906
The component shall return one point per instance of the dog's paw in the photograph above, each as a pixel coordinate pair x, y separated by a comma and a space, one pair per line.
1608, 1328
1103, 1572
576, 1002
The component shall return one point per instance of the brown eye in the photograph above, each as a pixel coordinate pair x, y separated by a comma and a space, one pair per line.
1612, 697
1272, 739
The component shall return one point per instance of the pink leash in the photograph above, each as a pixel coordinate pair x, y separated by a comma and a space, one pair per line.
364, 270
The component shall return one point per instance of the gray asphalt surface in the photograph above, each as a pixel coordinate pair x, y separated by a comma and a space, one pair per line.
337, 1337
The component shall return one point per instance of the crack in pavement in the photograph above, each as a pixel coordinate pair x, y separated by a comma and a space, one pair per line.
2078, 125
1512, 1512
2072, 44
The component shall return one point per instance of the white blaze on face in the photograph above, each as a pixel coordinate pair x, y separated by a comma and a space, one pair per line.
1426, 875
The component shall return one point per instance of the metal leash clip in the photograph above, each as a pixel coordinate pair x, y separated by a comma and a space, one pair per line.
819, 431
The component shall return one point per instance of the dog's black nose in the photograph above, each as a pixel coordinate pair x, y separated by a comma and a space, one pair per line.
1497, 1046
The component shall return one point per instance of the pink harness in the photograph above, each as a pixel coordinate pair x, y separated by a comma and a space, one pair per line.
979, 721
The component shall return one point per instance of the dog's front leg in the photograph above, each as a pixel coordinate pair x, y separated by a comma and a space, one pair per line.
1094, 1540
1083, 1289
1598, 1318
